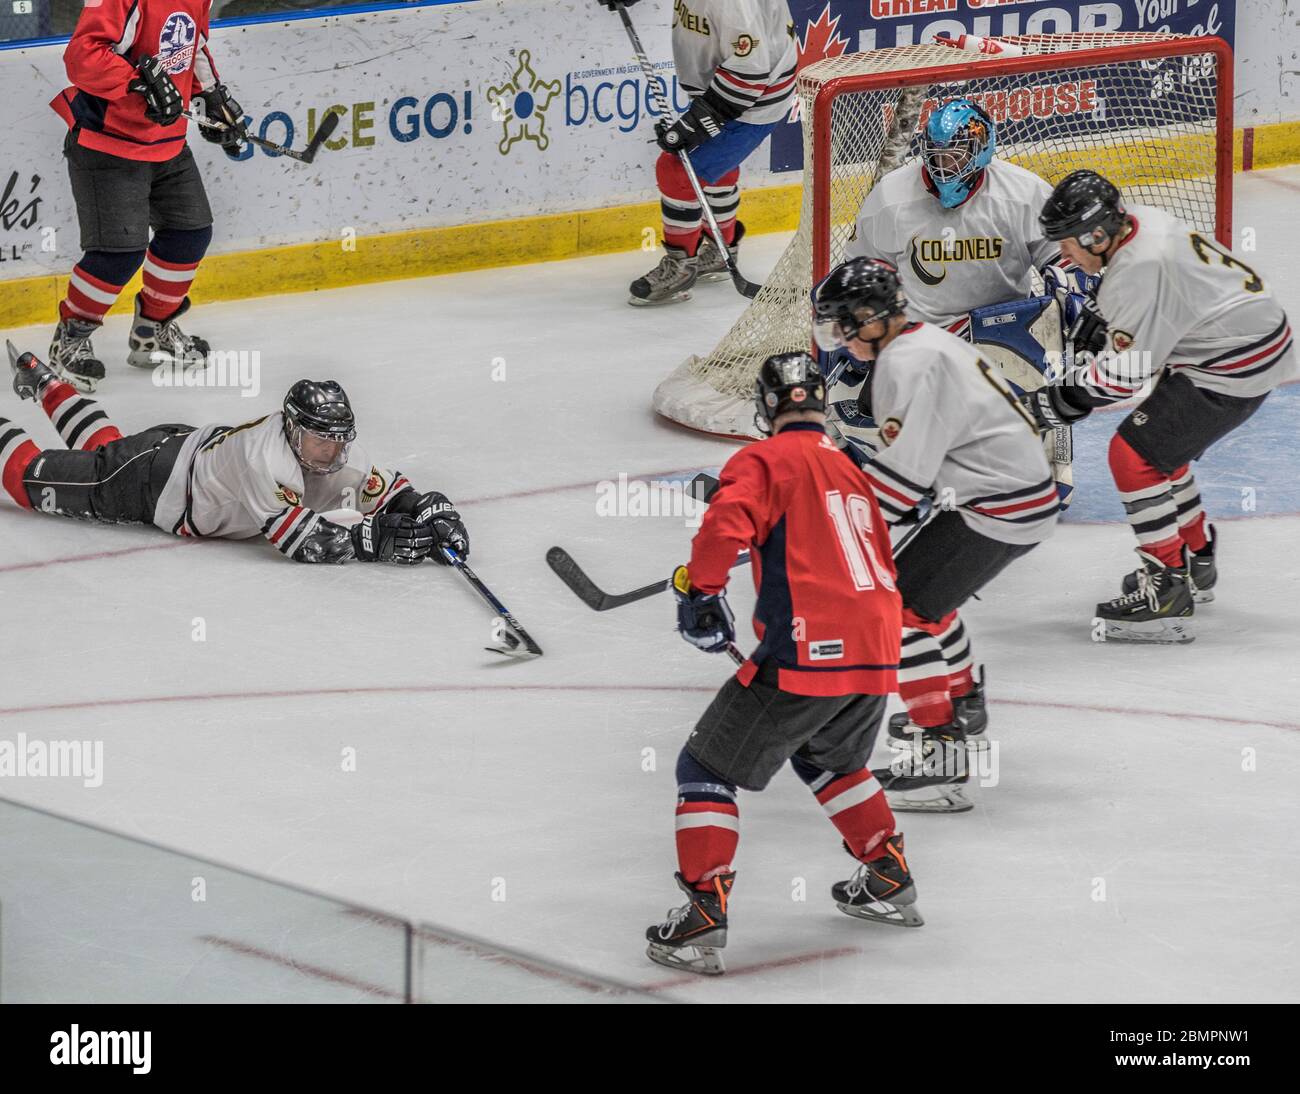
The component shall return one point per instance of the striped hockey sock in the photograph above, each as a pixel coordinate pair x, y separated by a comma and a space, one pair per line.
724, 201
957, 654
854, 803
1187, 500
169, 266
81, 422
923, 672
708, 821
17, 452
1148, 499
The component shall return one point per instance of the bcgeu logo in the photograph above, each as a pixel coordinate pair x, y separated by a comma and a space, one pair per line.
120, 1048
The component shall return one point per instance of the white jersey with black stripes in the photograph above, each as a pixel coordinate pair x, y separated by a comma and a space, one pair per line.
950, 428
242, 481
1174, 298
739, 54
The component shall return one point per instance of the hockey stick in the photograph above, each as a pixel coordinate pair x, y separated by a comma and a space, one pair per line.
743, 286
328, 124
586, 590
517, 644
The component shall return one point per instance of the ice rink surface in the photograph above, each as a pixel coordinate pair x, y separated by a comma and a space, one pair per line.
1140, 843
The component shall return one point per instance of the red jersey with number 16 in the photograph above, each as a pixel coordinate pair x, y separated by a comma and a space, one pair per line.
828, 613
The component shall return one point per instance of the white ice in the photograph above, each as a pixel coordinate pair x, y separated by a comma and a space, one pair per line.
1140, 843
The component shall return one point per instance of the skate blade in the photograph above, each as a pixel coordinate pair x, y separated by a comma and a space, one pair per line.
1168, 632
942, 799
1203, 596
702, 960
714, 277
81, 383
676, 298
896, 915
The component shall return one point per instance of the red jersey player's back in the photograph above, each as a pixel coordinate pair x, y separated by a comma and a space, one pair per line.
110, 39
828, 616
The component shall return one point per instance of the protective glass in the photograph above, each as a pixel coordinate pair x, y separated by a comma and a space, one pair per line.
323, 453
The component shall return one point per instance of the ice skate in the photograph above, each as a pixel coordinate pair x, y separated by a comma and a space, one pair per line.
31, 374
882, 890
712, 266
970, 718
1159, 609
72, 357
692, 935
667, 283
1202, 570
162, 342
928, 773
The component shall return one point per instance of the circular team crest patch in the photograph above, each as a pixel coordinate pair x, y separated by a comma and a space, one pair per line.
744, 45
1121, 340
798, 394
374, 485
288, 495
889, 430
176, 43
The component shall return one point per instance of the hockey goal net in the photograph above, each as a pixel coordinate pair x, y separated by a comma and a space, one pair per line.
1151, 111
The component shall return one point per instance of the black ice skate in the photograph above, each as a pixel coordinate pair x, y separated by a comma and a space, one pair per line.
882, 890
970, 718
928, 773
161, 342
73, 357
667, 283
711, 265
31, 374
1203, 572
692, 935
1159, 609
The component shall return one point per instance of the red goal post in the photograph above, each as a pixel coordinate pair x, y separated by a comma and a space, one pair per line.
1152, 111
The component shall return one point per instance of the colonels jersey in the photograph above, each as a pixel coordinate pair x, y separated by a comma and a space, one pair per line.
111, 37
951, 428
244, 481
1174, 298
830, 619
953, 260
739, 54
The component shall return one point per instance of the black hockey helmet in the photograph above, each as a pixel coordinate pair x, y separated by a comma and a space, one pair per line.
1084, 206
318, 412
855, 293
787, 381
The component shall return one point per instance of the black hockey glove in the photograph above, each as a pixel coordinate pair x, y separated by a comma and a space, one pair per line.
699, 124
1088, 334
391, 537
438, 516
1050, 407
704, 619
220, 107
612, 3
162, 102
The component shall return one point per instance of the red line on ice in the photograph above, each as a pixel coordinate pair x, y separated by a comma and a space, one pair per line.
315, 971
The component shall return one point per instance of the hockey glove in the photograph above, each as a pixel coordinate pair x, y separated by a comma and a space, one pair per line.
1050, 409
162, 102
435, 513
391, 537
699, 124
1088, 333
220, 107
704, 619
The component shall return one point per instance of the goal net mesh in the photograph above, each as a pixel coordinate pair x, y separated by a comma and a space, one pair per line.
1148, 123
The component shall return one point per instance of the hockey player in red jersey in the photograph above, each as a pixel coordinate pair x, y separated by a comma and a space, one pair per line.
134, 66
813, 692
952, 436
279, 476
1183, 310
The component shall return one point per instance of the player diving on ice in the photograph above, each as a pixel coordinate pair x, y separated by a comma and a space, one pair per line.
1187, 312
952, 437
275, 476
813, 692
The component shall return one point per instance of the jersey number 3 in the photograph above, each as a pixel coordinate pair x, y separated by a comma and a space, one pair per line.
1204, 249
852, 519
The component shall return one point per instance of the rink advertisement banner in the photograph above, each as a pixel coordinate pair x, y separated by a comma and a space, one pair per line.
831, 28
450, 114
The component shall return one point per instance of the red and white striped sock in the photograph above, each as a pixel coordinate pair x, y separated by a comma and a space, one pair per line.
923, 672
89, 297
1187, 501
81, 422
166, 284
17, 451
957, 654
857, 806
1148, 500
708, 833
682, 215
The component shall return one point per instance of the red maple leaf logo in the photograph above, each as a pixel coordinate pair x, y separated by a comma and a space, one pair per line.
821, 40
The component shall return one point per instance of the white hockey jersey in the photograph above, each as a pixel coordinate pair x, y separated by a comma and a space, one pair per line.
953, 260
242, 481
741, 53
951, 428
1174, 298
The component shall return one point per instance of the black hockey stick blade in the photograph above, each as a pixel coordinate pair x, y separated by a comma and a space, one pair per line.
586, 590
702, 487
14, 355
328, 124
